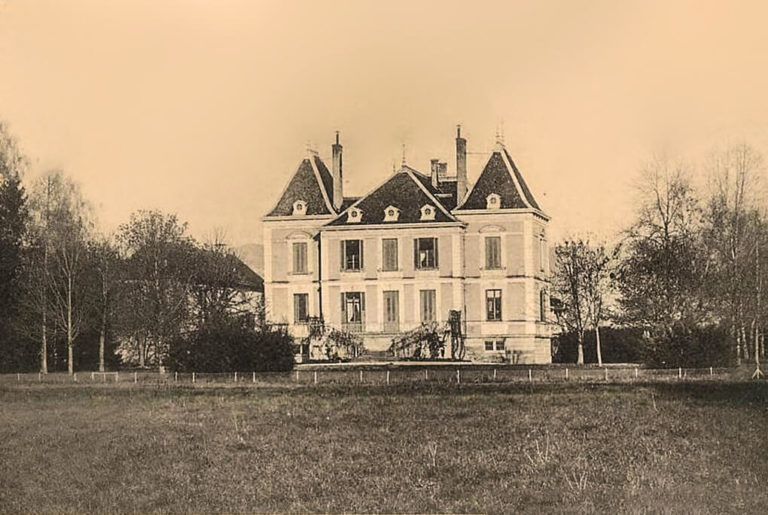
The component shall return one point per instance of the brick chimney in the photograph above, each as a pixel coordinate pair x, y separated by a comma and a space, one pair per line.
435, 169
338, 190
461, 166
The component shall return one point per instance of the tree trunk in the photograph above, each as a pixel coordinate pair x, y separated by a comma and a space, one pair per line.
580, 359
44, 345
597, 339
102, 336
70, 342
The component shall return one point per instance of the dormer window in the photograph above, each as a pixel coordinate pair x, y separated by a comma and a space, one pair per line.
492, 201
354, 215
427, 212
391, 214
299, 208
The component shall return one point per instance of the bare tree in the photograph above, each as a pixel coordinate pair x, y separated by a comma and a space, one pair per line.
580, 282
733, 236
64, 223
664, 265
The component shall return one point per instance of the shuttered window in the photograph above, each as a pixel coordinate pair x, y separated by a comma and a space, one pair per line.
300, 310
389, 254
300, 257
428, 308
492, 252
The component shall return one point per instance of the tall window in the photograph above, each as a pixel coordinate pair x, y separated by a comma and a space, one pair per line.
352, 310
300, 257
492, 252
428, 308
493, 304
389, 254
300, 309
425, 253
352, 255
391, 311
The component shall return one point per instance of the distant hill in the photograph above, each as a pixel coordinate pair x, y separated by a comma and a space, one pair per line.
252, 254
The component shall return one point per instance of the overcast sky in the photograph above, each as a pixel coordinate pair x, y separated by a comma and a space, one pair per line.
205, 108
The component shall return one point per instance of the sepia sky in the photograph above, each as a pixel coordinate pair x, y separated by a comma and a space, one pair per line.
205, 108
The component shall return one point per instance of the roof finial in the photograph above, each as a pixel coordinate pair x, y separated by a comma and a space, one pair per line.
500, 133
403, 163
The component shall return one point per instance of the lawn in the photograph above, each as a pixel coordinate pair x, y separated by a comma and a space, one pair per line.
689, 448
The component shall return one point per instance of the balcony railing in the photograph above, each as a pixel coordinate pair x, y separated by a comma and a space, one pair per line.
352, 327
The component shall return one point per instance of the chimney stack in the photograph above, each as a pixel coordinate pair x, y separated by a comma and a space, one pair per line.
338, 191
434, 169
461, 166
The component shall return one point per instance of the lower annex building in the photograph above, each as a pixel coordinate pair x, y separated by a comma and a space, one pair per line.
410, 251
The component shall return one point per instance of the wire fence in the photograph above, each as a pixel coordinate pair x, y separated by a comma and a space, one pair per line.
388, 375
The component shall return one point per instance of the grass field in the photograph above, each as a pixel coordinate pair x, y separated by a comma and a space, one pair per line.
683, 448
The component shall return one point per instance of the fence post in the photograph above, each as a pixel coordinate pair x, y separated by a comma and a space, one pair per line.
235, 376
297, 376
426, 374
606, 373
710, 371
530, 377
91, 376
135, 377
193, 377
74, 377
387, 376
175, 377
315, 379
254, 377
117, 376
494, 374
635, 372
361, 375
458, 376
40, 377
18, 377
566, 373
680, 372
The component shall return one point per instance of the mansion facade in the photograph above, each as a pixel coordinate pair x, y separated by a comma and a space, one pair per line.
412, 250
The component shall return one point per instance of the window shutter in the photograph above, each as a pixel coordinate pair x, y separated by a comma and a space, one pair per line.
361, 255
343, 310
341, 256
295, 308
437, 265
416, 253
362, 308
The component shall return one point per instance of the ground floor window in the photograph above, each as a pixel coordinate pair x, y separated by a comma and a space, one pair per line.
493, 305
494, 345
352, 310
300, 310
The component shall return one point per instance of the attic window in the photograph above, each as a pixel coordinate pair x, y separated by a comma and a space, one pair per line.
354, 215
427, 212
391, 214
493, 201
299, 208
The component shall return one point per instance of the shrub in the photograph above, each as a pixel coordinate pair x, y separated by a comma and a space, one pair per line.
229, 346
688, 345
617, 345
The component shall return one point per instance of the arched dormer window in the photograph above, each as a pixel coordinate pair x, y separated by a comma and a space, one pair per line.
493, 201
354, 215
427, 212
299, 208
391, 214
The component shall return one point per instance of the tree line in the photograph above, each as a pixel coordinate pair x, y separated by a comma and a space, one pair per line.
686, 276
74, 298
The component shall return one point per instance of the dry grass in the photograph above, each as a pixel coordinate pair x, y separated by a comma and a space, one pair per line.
488, 448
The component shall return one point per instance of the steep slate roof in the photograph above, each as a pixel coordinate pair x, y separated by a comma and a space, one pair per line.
497, 177
308, 186
403, 190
